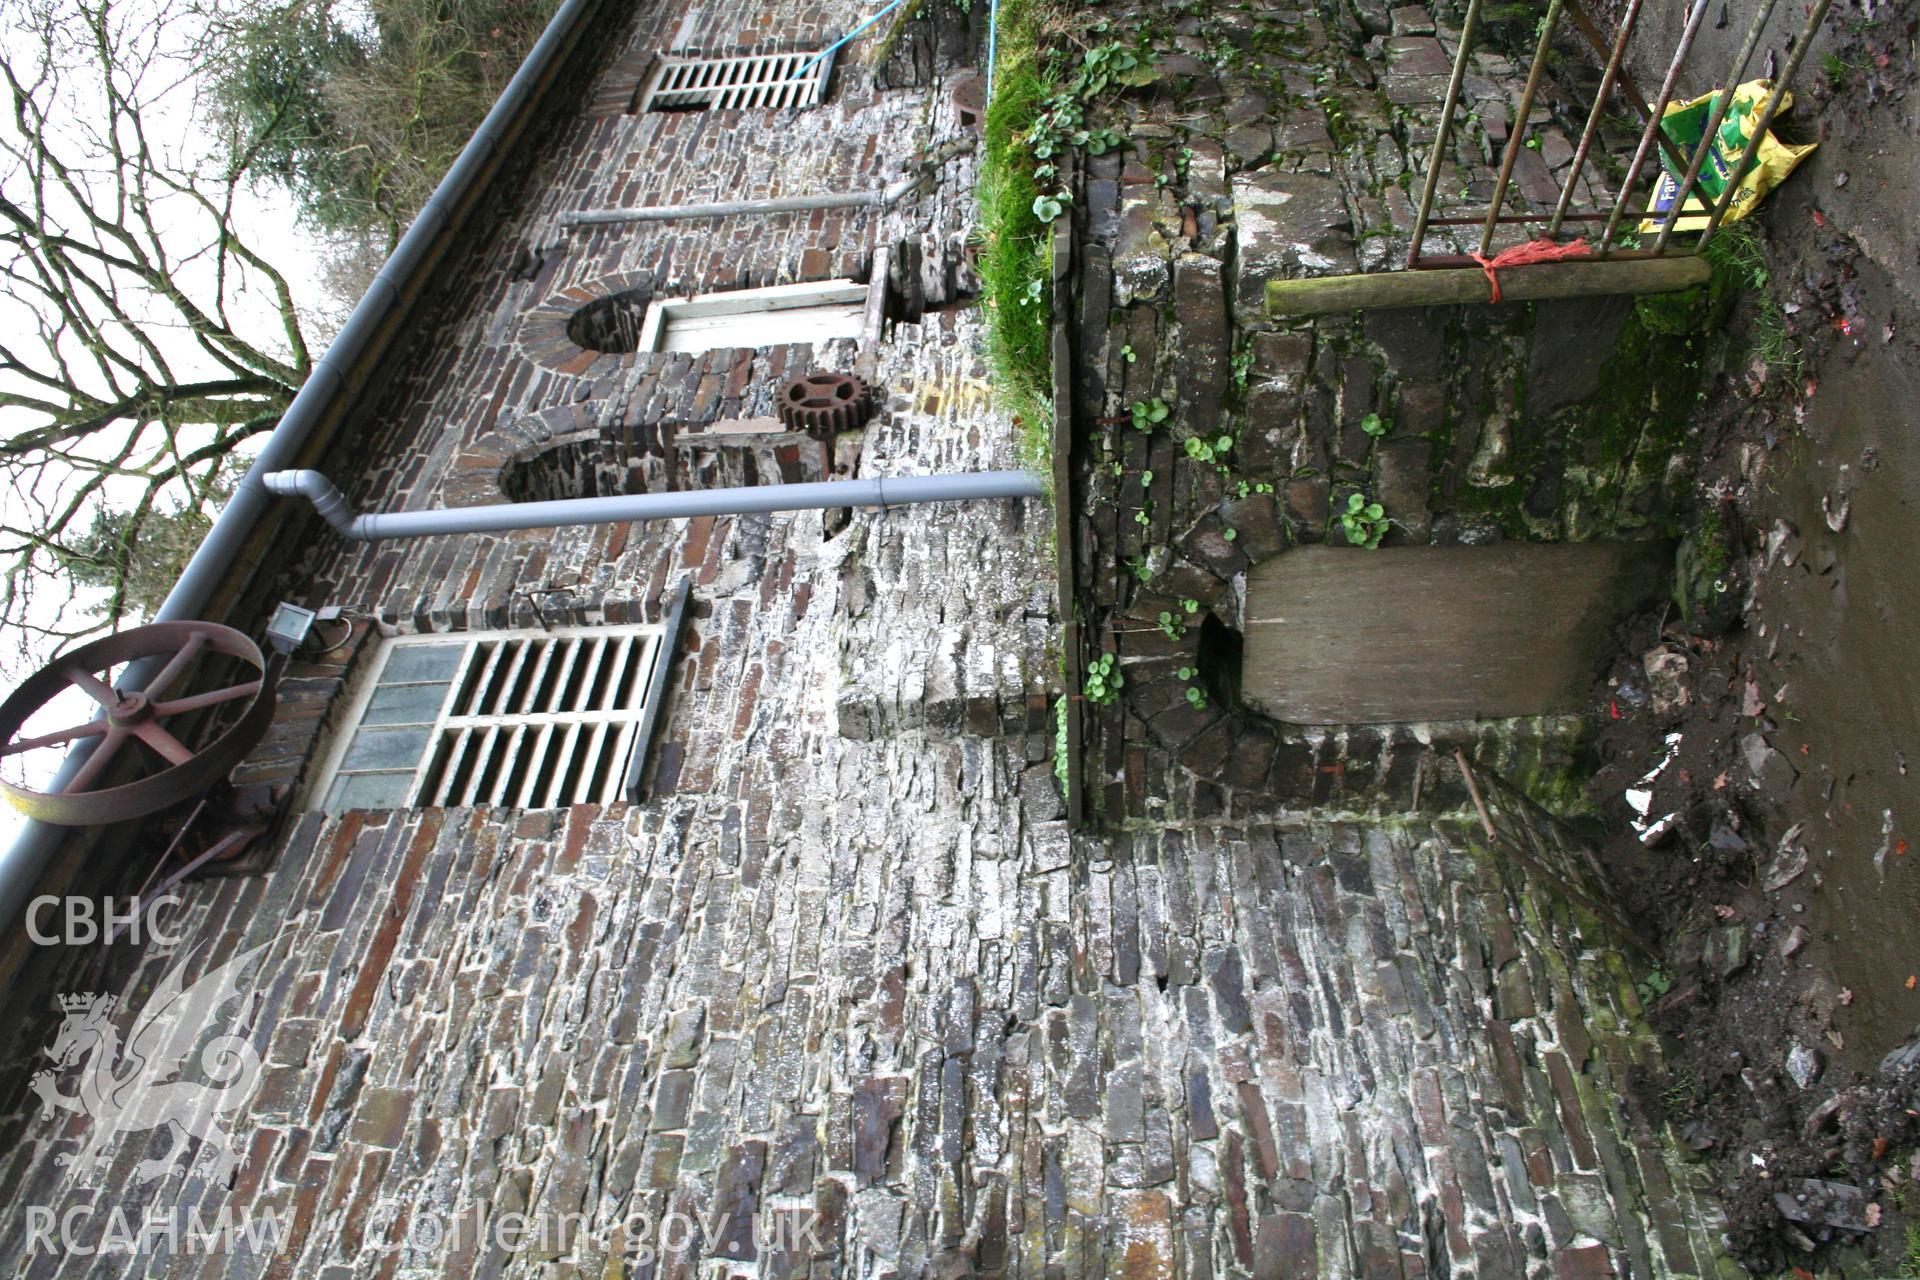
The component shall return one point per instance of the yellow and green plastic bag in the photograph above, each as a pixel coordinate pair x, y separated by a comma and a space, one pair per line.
1683, 122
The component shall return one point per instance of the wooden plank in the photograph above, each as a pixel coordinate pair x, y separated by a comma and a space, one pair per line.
670, 628
1346, 636
1326, 295
873, 325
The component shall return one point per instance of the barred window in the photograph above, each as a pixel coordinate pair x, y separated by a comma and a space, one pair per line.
529, 719
769, 80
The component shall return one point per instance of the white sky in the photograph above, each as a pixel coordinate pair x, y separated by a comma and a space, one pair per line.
174, 128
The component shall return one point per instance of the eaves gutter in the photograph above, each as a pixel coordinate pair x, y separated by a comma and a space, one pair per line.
335, 379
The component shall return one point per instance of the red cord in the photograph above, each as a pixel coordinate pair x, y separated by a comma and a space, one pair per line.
1542, 250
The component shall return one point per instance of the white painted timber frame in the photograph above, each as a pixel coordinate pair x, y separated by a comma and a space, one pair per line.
529, 719
813, 312
769, 80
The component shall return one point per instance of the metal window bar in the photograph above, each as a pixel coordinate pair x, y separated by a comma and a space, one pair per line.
1614, 76
534, 719
540, 721
755, 81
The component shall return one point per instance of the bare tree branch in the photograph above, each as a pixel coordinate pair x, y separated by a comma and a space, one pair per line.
144, 336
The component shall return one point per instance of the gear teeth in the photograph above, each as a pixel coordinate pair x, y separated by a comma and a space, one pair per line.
823, 404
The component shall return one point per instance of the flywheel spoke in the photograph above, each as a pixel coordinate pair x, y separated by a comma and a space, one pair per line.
96, 688
211, 698
87, 730
103, 755
176, 664
163, 742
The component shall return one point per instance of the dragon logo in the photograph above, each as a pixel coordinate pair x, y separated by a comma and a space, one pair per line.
123, 1090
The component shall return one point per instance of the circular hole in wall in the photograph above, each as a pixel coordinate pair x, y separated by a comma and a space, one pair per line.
610, 324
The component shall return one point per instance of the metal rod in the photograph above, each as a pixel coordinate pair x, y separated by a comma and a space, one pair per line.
1445, 130
810, 62
1540, 872
1445, 261
507, 517
1475, 220
1721, 102
1473, 793
1518, 132
993, 49
1653, 130
1600, 97
1765, 122
730, 208
1635, 98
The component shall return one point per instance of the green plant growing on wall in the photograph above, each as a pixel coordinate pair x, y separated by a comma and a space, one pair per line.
1148, 414
1196, 696
1127, 353
1201, 449
1103, 681
1172, 625
1015, 253
1060, 743
1037, 113
1364, 523
1374, 425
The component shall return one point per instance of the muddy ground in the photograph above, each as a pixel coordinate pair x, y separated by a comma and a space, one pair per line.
1784, 893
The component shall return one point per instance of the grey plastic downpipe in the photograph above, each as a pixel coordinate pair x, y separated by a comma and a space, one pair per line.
26, 859
503, 517
731, 208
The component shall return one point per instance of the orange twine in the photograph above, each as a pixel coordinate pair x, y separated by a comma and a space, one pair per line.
1541, 250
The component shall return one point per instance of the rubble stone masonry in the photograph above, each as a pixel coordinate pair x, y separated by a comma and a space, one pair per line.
844, 996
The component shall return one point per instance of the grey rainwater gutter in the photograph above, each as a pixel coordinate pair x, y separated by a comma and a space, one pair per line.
362, 337
505, 517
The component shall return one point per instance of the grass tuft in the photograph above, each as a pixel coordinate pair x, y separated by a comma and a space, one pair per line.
1016, 254
1739, 262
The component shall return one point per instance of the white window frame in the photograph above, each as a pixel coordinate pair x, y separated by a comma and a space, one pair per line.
470, 748
833, 303
757, 80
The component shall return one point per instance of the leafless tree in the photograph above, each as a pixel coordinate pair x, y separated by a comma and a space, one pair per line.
143, 336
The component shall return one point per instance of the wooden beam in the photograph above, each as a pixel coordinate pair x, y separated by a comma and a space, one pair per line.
1325, 295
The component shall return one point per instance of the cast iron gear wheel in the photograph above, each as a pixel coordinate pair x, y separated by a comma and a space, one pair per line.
823, 403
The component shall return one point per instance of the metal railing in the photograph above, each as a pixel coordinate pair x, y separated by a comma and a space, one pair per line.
1614, 75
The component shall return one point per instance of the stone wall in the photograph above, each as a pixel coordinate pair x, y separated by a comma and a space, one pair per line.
1290, 142
846, 970
947, 1046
